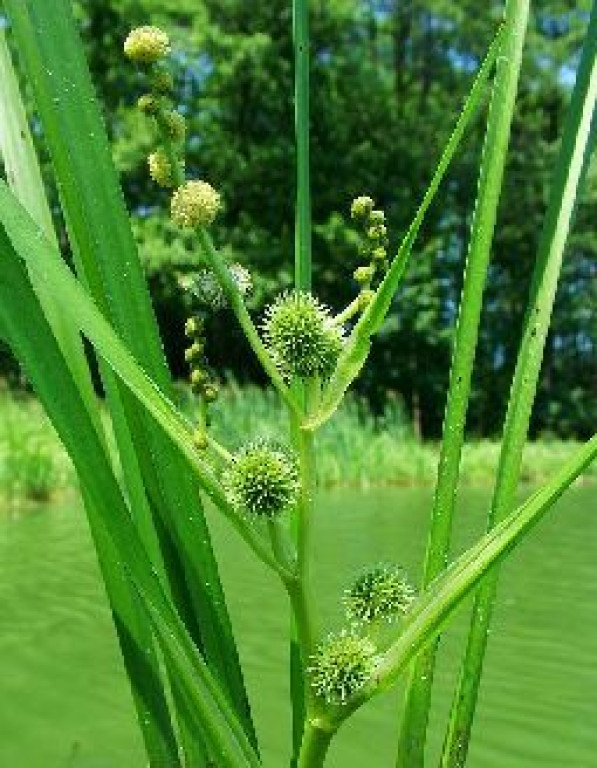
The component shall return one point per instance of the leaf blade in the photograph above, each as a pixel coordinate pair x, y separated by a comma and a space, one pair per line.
570, 165
23, 324
357, 348
107, 260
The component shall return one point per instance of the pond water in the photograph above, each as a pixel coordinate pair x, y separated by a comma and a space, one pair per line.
64, 701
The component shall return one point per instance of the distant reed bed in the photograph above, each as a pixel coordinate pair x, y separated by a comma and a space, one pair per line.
357, 449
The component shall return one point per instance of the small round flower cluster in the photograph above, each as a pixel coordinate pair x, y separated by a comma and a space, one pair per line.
202, 383
374, 248
301, 336
146, 45
381, 593
194, 204
262, 480
341, 665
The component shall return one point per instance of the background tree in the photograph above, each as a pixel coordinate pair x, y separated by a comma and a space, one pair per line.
388, 77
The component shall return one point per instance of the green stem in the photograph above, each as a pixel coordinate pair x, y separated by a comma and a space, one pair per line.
282, 548
302, 628
221, 271
219, 449
436, 605
358, 345
418, 698
315, 746
218, 266
567, 179
300, 27
346, 314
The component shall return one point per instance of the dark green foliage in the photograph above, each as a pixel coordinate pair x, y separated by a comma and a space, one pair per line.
387, 79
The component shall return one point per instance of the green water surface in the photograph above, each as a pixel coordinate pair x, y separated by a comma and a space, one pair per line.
64, 701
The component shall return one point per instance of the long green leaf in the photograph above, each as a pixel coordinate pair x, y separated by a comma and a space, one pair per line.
25, 178
84, 315
106, 258
357, 348
24, 326
302, 244
411, 744
134, 632
436, 605
567, 177
302, 281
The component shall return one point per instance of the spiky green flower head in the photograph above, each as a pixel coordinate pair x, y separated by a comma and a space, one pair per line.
160, 169
381, 593
301, 336
146, 45
361, 208
262, 480
205, 287
194, 204
342, 664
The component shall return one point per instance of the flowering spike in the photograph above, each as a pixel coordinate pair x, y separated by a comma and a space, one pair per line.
195, 204
262, 480
342, 664
146, 45
383, 592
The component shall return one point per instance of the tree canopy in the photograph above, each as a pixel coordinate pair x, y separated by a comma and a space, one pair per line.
388, 78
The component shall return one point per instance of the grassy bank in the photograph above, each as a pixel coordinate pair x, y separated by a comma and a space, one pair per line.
357, 449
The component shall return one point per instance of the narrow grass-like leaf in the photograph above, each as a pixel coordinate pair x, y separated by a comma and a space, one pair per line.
357, 348
411, 745
16, 146
25, 177
107, 260
24, 326
302, 282
568, 173
84, 315
134, 632
435, 606
302, 243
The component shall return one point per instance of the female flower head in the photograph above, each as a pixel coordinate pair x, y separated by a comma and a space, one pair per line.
342, 664
301, 336
262, 480
382, 592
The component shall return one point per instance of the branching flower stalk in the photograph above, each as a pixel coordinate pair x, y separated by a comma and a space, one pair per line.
266, 490
501, 111
303, 348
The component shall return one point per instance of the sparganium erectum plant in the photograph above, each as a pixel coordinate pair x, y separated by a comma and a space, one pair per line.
148, 527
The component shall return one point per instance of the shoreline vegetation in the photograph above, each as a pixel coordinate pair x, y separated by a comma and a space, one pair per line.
357, 450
